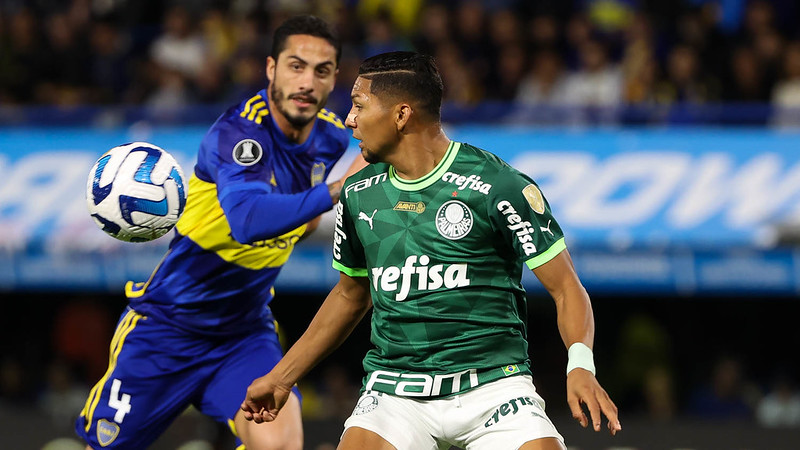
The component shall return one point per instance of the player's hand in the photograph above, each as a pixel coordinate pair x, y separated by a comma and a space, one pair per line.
264, 399
583, 389
335, 188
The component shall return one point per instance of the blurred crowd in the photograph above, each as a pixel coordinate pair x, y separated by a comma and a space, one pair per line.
603, 53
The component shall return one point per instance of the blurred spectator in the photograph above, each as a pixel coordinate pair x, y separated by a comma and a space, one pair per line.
786, 94
598, 81
183, 52
746, 83
726, 395
460, 85
14, 389
62, 398
658, 391
545, 83
180, 49
403, 15
697, 30
644, 368
544, 32
381, 37
24, 55
434, 28
781, 406
685, 81
504, 29
111, 65
66, 73
510, 69
577, 32
639, 65
472, 44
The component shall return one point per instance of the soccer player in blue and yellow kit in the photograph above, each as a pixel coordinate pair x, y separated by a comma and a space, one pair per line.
200, 329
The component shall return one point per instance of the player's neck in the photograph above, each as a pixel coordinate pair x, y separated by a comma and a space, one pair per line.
293, 134
419, 153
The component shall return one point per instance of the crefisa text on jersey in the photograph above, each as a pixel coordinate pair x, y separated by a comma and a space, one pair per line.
522, 229
472, 182
338, 233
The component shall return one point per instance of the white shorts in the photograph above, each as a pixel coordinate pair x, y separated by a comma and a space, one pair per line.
503, 414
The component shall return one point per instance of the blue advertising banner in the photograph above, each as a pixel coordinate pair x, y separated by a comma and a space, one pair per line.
644, 210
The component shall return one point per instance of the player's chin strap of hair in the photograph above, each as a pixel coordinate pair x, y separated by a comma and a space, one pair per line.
580, 355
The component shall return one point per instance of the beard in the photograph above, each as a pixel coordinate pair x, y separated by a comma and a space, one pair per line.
369, 156
296, 120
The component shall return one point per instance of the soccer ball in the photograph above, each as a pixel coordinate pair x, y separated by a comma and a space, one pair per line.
135, 192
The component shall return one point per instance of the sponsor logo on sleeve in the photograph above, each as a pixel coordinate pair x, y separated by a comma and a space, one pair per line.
338, 232
247, 152
534, 198
523, 230
364, 184
454, 220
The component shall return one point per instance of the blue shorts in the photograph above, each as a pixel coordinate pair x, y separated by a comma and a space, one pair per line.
156, 371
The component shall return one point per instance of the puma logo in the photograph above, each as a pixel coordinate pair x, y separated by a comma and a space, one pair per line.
547, 228
367, 218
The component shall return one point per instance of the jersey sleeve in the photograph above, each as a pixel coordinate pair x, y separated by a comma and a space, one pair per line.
253, 210
521, 215
348, 253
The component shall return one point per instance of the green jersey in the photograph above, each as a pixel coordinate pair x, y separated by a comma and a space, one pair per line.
444, 255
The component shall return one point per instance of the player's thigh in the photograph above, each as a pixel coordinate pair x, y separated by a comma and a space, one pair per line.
509, 414
543, 444
357, 438
284, 433
144, 389
386, 421
240, 360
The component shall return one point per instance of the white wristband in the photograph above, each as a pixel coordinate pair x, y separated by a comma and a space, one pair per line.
581, 356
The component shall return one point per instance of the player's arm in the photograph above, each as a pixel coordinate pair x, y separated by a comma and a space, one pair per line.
341, 311
357, 164
576, 326
255, 213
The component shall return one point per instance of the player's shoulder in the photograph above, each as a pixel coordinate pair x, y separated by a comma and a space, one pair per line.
252, 110
488, 163
332, 125
369, 176
491, 168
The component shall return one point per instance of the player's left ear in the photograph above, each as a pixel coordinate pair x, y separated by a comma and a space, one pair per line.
403, 115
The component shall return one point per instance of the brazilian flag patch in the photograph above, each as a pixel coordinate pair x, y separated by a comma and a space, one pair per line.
510, 369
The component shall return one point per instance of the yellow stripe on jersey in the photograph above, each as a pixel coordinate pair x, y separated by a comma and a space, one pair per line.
204, 222
135, 290
127, 324
330, 116
255, 109
249, 105
261, 114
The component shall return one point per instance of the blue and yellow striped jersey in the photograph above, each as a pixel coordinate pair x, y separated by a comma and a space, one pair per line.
208, 282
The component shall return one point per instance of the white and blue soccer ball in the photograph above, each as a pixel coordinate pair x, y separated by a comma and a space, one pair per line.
135, 192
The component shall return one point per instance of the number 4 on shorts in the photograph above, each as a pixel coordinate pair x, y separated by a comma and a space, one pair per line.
122, 403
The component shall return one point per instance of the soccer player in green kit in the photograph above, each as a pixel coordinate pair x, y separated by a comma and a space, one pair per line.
433, 235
